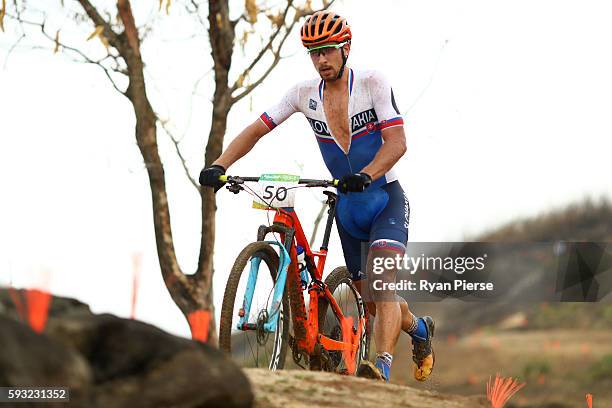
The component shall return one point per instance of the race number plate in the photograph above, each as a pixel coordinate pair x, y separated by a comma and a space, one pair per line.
275, 191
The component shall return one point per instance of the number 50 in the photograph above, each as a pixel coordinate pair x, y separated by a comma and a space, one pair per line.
279, 195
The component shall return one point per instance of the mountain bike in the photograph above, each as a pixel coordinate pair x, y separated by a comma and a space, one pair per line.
266, 285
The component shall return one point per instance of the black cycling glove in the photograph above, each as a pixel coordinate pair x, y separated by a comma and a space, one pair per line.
210, 177
354, 182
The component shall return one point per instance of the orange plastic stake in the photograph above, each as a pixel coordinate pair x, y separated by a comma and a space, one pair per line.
38, 302
199, 322
589, 398
502, 390
136, 262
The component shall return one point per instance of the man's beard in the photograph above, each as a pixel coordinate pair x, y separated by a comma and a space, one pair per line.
333, 75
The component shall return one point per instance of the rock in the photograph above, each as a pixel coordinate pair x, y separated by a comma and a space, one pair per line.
112, 362
28, 359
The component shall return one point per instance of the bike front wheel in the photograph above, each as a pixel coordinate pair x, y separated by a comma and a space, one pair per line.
255, 336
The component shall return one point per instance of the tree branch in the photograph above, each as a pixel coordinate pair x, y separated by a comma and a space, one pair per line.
85, 57
10, 51
131, 32
265, 49
98, 20
194, 92
299, 14
164, 124
275, 62
195, 11
236, 21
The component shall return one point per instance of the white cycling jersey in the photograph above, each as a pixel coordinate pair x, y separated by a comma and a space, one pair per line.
371, 108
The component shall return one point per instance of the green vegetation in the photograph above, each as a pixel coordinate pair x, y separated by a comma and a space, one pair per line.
535, 368
572, 315
606, 314
588, 220
602, 370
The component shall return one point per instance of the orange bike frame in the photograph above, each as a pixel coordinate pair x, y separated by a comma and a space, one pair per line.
288, 218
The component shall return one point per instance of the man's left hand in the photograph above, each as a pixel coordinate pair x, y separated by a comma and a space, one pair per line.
354, 182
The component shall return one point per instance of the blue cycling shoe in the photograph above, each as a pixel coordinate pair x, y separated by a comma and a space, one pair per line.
377, 371
422, 351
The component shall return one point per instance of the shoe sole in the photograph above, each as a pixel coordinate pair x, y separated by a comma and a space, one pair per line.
369, 370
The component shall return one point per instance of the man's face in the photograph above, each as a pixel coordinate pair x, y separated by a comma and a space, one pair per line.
327, 61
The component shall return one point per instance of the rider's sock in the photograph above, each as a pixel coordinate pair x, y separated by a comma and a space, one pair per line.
383, 363
418, 329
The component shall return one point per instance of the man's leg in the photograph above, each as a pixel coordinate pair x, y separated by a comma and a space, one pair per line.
388, 237
392, 314
388, 321
383, 304
408, 319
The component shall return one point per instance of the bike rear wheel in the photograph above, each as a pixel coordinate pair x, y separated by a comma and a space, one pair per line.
352, 306
255, 347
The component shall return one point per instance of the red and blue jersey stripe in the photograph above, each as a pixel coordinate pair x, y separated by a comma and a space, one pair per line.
268, 120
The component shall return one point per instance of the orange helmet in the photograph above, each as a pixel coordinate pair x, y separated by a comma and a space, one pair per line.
324, 27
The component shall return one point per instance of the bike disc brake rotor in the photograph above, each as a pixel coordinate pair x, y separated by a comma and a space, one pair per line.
262, 334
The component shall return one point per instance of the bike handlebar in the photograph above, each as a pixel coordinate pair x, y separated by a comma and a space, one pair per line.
310, 182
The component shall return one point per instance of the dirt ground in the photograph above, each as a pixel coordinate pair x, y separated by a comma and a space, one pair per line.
555, 364
299, 388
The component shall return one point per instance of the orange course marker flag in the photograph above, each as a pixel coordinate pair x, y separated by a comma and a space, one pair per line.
502, 390
38, 302
199, 322
136, 262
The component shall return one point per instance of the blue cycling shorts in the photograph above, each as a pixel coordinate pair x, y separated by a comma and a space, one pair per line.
379, 215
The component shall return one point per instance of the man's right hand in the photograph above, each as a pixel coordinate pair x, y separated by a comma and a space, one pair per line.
210, 177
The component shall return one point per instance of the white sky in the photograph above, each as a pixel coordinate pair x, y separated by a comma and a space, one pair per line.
509, 116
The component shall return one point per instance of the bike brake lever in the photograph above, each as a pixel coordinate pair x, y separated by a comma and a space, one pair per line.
235, 188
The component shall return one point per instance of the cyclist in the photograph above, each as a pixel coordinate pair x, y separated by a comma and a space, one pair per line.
360, 133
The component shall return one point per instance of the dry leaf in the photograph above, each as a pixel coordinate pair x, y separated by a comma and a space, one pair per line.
57, 44
168, 4
278, 19
308, 7
252, 10
2, 13
243, 40
104, 41
99, 29
240, 81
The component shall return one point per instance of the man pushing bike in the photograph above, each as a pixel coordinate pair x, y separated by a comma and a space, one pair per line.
360, 133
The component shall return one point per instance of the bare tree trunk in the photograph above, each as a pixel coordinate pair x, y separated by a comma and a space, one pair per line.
179, 285
221, 31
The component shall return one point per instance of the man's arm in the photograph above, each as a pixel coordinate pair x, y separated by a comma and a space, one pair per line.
390, 152
242, 144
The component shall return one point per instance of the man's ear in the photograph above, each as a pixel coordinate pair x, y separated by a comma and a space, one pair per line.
347, 48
